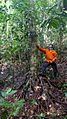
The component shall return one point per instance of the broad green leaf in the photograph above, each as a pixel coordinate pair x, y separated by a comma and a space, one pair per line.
4, 94
55, 23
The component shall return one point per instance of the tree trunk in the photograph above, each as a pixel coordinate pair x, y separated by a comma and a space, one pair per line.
33, 59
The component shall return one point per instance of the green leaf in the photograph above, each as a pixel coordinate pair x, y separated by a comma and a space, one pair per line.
12, 92
55, 23
8, 92
34, 102
65, 85
2, 100
14, 113
4, 94
65, 95
20, 103
41, 115
6, 105
64, 117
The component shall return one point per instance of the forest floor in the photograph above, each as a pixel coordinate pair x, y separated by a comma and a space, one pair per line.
43, 98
